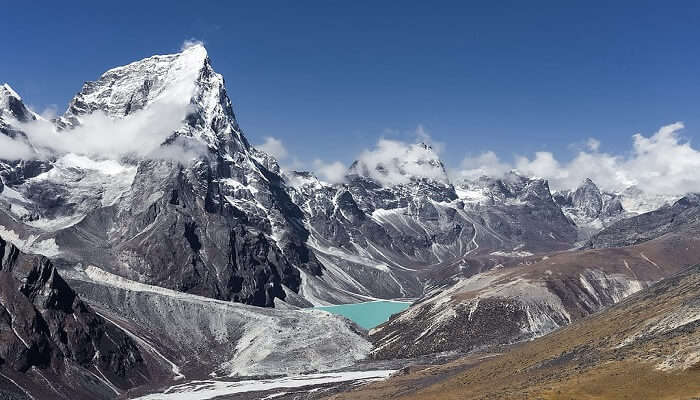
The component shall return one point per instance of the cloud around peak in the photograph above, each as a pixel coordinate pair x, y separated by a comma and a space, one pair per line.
393, 162
146, 133
389, 162
189, 43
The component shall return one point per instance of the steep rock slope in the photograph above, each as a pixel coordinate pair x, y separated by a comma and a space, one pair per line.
520, 213
52, 345
373, 237
531, 297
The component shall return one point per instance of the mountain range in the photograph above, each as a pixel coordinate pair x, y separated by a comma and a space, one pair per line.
145, 241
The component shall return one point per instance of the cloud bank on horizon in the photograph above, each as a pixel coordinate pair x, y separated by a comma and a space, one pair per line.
662, 163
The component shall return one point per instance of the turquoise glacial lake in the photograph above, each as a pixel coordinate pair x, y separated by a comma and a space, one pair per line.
369, 314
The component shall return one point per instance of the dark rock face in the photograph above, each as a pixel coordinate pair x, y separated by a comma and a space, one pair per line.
393, 240
44, 326
13, 109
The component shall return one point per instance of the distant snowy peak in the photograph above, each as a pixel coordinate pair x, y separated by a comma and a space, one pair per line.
588, 202
392, 166
637, 201
12, 106
588, 199
6, 92
512, 187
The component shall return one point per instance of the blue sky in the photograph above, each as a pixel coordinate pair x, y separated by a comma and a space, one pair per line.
329, 78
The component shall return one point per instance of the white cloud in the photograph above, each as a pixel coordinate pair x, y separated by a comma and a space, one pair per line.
393, 162
389, 162
333, 172
190, 43
141, 134
662, 163
157, 131
486, 163
274, 147
11, 149
593, 144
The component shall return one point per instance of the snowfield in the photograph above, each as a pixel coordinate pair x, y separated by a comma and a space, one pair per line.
209, 389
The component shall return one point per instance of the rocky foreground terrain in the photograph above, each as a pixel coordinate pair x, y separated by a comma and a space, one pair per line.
646, 346
54, 343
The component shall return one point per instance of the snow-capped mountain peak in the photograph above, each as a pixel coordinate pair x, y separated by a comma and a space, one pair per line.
126, 89
391, 164
175, 87
7, 91
12, 106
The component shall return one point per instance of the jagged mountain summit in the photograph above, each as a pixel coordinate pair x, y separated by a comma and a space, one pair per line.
417, 162
590, 208
220, 224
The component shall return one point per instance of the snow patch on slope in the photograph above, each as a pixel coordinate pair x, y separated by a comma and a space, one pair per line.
209, 389
31, 244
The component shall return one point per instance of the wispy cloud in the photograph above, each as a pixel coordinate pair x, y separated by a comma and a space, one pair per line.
15, 149
153, 132
190, 43
333, 172
274, 147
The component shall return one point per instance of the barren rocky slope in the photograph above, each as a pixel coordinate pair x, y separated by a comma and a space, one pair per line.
523, 299
646, 346
52, 344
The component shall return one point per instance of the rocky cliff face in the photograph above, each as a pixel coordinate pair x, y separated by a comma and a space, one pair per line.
373, 236
520, 213
46, 330
590, 208
383, 239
